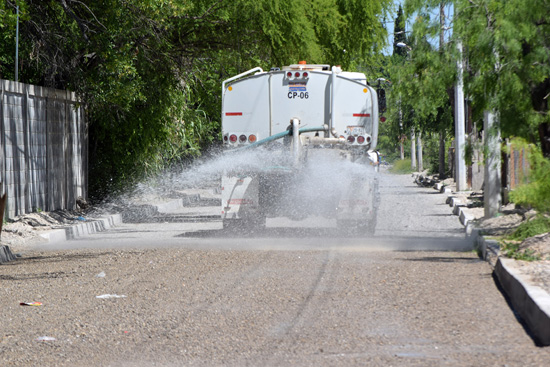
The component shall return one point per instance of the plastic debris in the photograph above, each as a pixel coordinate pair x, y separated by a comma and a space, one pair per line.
110, 296
31, 303
100, 275
45, 338
81, 218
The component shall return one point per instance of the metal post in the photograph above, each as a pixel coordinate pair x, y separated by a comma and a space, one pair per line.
332, 121
296, 140
461, 184
441, 131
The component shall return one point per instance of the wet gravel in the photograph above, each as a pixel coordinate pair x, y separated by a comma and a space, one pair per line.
193, 297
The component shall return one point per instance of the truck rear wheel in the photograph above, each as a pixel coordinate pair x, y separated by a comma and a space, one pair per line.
357, 227
246, 224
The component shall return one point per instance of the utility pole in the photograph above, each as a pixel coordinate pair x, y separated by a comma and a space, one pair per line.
413, 149
491, 194
460, 164
492, 184
419, 149
441, 128
401, 136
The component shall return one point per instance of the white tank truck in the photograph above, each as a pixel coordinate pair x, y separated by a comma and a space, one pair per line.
310, 132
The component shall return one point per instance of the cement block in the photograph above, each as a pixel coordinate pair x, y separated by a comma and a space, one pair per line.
464, 216
532, 303
456, 207
6, 254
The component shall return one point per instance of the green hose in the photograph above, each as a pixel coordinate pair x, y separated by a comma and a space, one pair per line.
281, 135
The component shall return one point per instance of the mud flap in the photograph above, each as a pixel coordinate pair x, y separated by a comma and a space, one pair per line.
241, 202
358, 205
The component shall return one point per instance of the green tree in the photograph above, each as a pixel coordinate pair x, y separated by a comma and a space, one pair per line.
424, 77
400, 35
508, 51
149, 72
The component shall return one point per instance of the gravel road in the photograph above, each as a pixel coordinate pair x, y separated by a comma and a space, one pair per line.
294, 295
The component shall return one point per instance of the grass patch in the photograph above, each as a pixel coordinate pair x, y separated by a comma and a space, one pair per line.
510, 245
512, 251
534, 227
401, 166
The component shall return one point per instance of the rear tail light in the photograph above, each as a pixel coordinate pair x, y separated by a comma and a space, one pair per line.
297, 74
240, 138
289, 74
360, 139
351, 139
305, 74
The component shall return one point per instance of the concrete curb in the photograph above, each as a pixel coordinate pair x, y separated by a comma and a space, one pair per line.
464, 217
531, 302
6, 254
489, 250
99, 225
84, 229
170, 206
442, 188
103, 224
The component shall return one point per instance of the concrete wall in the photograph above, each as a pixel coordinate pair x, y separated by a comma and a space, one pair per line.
43, 148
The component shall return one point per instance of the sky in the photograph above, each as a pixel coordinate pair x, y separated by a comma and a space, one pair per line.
389, 23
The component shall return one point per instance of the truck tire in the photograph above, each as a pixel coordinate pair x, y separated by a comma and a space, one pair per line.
357, 227
245, 224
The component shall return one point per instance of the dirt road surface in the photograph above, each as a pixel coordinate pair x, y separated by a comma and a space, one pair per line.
296, 294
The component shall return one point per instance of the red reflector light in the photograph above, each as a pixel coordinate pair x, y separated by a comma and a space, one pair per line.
360, 139
242, 138
351, 139
368, 139
382, 119
233, 138
289, 74
252, 138
297, 74
225, 138
361, 115
233, 114
305, 74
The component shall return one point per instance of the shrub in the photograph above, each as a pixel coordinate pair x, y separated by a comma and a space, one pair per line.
535, 193
401, 166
